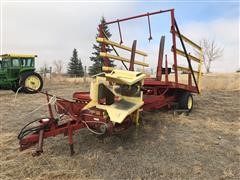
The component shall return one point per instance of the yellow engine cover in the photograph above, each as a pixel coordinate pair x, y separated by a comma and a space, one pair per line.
118, 93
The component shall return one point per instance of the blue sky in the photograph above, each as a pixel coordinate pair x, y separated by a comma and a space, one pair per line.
197, 11
53, 29
197, 21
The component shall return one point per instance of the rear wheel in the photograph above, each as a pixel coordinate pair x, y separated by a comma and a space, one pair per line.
31, 82
186, 101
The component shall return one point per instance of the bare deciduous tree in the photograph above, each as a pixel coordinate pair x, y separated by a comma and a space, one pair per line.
211, 52
58, 66
43, 70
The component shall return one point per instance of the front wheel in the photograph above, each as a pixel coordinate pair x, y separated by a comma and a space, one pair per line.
31, 82
186, 101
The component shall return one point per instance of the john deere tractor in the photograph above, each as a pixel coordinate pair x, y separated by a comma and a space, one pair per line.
18, 70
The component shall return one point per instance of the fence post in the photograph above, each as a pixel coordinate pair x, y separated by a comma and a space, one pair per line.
85, 74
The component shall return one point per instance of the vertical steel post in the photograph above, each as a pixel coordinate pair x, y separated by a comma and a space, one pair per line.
70, 140
166, 69
149, 28
120, 33
131, 66
189, 77
160, 59
39, 149
174, 44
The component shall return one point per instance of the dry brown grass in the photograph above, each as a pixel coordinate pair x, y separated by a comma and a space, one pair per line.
59, 79
211, 81
214, 81
221, 81
203, 145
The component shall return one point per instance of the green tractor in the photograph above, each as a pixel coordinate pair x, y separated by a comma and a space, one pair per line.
18, 70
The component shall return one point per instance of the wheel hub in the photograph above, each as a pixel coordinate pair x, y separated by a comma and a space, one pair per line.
32, 82
190, 102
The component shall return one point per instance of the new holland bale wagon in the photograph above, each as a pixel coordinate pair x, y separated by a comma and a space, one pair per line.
117, 97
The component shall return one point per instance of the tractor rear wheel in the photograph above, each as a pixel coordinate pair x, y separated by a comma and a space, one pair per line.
186, 101
31, 82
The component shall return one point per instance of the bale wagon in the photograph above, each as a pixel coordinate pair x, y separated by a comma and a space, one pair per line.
117, 97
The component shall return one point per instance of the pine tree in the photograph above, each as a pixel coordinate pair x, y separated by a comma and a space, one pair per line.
75, 67
97, 60
80, 66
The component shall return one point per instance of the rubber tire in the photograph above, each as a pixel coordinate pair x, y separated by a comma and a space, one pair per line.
183, 101
23, 79
16, 86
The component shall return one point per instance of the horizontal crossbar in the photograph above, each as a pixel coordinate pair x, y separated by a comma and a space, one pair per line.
104, 40
189, 55
181, 68
188, 41
103, 54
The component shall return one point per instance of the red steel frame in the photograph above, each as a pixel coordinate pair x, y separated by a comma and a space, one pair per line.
153, 81
153, 99
157, 94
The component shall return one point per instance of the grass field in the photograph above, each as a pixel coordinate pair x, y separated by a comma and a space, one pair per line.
202, 145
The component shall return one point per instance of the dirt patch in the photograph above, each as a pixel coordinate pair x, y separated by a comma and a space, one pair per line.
203, 145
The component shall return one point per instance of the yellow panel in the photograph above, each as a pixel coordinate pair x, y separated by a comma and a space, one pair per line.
18, 56
104, 40
124, 77
124, 106
91, 104
103, 54
118, 114
107, 69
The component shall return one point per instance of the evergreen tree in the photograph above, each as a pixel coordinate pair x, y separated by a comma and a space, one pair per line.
80, 66
75, 67
97, 60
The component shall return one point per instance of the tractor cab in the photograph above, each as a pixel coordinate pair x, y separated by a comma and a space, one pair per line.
17, 61
14, 64
17, 67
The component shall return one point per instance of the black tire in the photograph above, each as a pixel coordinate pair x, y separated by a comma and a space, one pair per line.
29, 85
16, 86
185, 102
